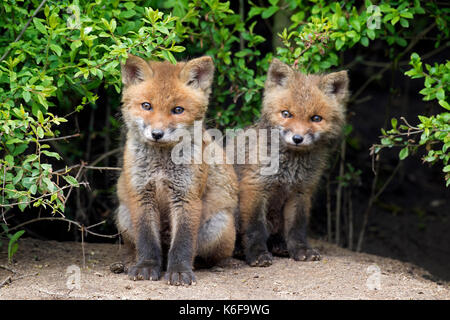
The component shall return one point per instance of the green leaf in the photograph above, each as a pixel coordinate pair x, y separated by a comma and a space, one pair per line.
12, 245
71, 180
444, 104
394, 123
269, 12
26, 95
55, 48
365, 41
39, 26
403, 153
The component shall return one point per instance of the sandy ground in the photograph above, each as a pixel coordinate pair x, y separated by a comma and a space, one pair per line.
41, 272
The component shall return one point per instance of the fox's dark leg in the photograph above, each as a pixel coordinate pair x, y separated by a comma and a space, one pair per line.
277, 245
296, 216
253, 224
184, 227
148, 245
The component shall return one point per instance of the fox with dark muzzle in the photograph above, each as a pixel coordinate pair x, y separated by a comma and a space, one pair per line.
308, 111
186, 209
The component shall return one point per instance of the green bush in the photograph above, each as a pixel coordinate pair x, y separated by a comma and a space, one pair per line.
57, 56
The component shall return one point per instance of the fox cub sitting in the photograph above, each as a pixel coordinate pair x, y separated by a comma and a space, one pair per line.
308, 111
186, 209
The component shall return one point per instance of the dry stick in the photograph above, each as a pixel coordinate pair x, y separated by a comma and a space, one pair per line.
112, 236
103, 168
10, 279
242, 15
92, 166
60, 138
350, 219
3, 193
24, 28
71, 186
329, 232
82, 247
339, 192
103, 156
373, 197
7, 269
6, 281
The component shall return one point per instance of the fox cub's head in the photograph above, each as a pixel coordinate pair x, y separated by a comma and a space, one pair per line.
160, 98
307, 109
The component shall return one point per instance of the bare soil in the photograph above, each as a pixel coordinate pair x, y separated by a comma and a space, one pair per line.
40, 272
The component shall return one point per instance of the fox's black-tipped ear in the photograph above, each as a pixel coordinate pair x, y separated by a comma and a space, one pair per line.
135, 70
279, 74
198, 73
335, 85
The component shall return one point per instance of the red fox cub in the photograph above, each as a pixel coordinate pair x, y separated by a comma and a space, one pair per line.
308, 112
186, 209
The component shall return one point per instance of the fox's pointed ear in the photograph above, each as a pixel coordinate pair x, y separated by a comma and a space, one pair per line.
198, 73
335, 85
135, 70
279, 74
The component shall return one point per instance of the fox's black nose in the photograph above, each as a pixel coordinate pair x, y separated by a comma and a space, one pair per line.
297, 139
157, 134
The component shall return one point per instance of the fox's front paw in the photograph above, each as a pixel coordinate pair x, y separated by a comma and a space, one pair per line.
304, 253
176, 278
261, 260
143, 271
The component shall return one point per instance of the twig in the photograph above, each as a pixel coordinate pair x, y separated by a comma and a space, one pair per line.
329, 232
103, 168
71, 186
24, 276
60, 138
350, 219
6, 281
82, 247
339, 192
7, 269
24, 28
10, 279
64, 220
373, 197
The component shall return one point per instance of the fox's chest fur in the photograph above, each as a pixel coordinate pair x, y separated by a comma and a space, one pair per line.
297, 170
152, 165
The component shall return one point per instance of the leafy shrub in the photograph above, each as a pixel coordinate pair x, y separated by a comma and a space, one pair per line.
57, 66
56, 58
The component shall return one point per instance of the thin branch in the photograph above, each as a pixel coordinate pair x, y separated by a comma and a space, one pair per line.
103, 168
80, 226
40, 197
24, 28
6, 281
60, 138
373, 197
7, 269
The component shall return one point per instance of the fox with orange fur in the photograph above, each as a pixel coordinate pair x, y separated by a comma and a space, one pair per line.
186, 210
309, 112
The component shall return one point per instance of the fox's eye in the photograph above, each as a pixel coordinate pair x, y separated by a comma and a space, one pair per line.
146, 106
286, 114
177, 110
316, 118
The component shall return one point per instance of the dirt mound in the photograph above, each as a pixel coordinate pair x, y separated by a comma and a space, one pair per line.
52, 270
